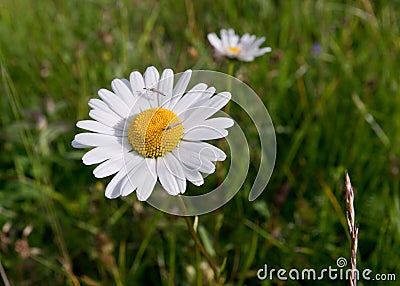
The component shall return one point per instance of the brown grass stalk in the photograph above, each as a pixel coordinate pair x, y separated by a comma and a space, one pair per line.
353, 229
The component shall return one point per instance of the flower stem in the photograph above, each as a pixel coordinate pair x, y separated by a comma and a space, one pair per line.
202, 249
200, 245
231, 68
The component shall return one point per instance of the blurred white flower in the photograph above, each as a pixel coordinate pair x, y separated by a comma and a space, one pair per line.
244, 48
147, 129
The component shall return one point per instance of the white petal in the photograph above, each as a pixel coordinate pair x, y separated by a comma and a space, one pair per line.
144, 191
215, 42
151, 95
165, 86
137, 82
246, 42
95, 126
135, 169
78, 145
110, 119
145, 101
219, 100
194, 161
191, 97
250, 48
96, 103
205, 167
96, 139
191, 175
100, 108
127, 83
132, 161
204, 133
244, 39
171, 174
151, 77
233, 39
179, 89
205, 150
115, 103
257, 43
142, 101
246, 58
209, 92
212, 153
113, 188
224, 39
100, 154
134, 164
145, 187
262, 51
123, 91
127, 187
203, 100
200, 112
218, 123
109, 167
182, 83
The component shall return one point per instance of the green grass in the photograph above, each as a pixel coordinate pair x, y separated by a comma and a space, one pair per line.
334, 110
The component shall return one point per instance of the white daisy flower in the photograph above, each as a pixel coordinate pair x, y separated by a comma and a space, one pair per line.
244, 49
147, 129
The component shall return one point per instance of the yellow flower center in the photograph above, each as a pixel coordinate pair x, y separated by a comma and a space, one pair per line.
234, 50
155, 132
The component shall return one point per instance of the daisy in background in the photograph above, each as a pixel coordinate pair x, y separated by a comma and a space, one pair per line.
244, 48
148, 130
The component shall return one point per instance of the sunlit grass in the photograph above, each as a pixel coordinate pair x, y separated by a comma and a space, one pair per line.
331, 85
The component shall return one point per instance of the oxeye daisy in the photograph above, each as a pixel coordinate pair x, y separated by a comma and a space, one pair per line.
244, 48
146, 130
